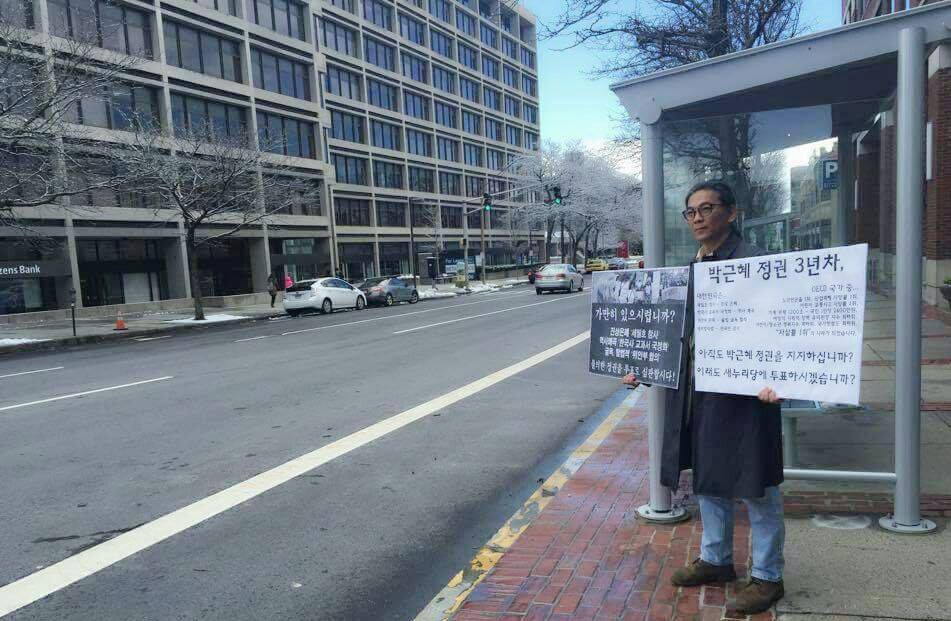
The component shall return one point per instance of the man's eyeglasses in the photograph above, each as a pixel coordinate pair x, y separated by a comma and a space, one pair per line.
704, 209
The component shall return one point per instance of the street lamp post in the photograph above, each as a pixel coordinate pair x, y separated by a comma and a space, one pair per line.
412, 246
72, 308
482, 248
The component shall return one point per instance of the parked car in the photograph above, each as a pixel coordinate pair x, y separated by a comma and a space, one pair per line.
617, 263
323, 294
595, 265
634, 263
559, 277
388, 290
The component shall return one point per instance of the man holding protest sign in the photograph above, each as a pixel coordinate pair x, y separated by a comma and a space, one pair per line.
732, 443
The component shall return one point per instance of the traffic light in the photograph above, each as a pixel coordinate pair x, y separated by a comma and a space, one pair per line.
557, 191
487, 201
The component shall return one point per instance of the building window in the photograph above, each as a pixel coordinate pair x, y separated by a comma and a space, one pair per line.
295, 197
415, 68
387, 175
451, 217
531, 141
493, 129
207, 117
419, 143
280, 75
528, 58
471, 123
351, 211
17, 13
510, 76
382, 95
447, 149
494, 159
510, 48
110, 26
349, 127
472, 154
351, 170
490, 67
440, 10
530, 113
513, 135
466, 23
385, 135
389, 213
513, 107
379, 54
378, 13
346, 5
441, 44
507, 18
118, 106
445, 114
450, 183
421, 179
469, 89
468, 57
225, 6
416, 105
412, 29
499, 219
489, 35
475, 186
284, 135
343, 83
281, 16
338, 37
493, 98
444, 80
529, 86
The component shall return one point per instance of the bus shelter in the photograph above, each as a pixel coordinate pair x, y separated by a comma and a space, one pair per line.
827, 141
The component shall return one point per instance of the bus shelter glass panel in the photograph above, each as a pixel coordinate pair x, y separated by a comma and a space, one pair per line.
808, 178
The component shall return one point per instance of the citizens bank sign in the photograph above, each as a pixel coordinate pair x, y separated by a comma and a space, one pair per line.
33, 269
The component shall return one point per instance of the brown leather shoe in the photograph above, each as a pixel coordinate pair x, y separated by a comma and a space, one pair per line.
700, 572
756, 596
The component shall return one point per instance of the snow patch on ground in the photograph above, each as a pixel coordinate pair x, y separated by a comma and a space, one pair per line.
432, 294
478, 287
12, 342
208, 319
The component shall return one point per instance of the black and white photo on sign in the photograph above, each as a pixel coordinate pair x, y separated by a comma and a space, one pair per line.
640, 286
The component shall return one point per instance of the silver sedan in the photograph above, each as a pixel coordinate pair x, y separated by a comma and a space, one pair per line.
559, 277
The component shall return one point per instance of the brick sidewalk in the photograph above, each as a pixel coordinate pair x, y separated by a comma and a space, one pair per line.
586, 557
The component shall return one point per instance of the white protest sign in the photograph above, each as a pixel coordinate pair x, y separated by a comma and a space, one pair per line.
791, 322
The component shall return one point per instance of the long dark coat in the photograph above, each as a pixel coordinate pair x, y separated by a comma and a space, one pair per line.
733, 443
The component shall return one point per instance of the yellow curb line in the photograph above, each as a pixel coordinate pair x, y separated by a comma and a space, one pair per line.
452, 596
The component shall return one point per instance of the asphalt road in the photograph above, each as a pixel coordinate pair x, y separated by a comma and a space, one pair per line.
372, 533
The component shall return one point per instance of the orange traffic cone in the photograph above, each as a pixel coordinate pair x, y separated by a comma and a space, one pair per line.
120, 323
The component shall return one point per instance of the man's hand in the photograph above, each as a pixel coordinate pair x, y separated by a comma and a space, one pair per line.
631, 380
768, 395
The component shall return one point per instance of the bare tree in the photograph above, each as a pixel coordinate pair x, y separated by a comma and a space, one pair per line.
639, 39
44, 82
215, 184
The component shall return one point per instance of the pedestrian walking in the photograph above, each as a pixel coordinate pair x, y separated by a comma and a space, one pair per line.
733, 443
272, 288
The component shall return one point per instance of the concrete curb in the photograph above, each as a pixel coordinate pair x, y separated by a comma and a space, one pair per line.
62, 343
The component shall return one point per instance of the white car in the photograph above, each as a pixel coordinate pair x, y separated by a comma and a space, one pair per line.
323, 294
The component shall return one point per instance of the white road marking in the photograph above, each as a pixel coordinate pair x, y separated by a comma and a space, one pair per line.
40, 584
504, 310
31, 372
255, 338
153, 338
84, 393
350, 323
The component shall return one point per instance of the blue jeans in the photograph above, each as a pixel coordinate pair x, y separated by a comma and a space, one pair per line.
766, 524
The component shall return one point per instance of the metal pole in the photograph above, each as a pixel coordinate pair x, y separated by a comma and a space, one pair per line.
412, 246
482, 249
910, 201
465, 246
660, 508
